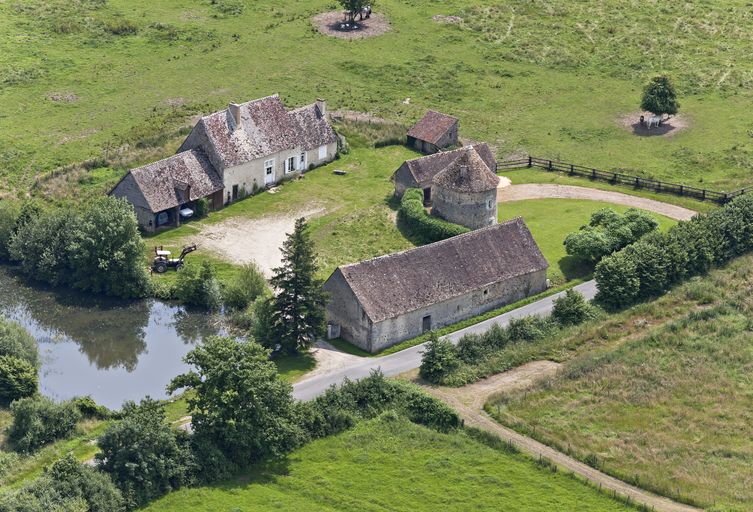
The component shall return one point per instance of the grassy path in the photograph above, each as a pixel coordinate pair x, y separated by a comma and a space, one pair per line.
469, 400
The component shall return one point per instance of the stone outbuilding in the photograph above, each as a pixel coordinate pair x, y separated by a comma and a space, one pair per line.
380, 302
434, 132
465, 192
420, 172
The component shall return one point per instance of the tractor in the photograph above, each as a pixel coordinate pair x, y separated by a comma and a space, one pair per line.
162, 260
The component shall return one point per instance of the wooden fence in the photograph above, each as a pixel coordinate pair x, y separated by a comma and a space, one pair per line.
617, 178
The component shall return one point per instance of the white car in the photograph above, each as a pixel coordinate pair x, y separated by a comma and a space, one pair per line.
186, 212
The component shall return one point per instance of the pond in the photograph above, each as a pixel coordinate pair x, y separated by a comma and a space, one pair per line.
109, 349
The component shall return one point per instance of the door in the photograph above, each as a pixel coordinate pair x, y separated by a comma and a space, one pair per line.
269, 172
426, 323
427, 196
235, 192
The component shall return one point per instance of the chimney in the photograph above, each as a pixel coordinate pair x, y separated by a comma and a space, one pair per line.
235, 112
463, 171
322, 106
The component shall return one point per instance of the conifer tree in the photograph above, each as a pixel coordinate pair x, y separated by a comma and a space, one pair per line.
297, 317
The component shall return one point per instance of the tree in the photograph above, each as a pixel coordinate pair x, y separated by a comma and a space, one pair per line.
246, 287
144, 455
660, 97
617, 279
18, 379
38, 421
241, 405
571, 308
17, 342
67, 485
354, 7
298, 313
107, 251
199, 286
438, 358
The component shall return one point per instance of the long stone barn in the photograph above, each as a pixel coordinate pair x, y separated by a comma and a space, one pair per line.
380, 302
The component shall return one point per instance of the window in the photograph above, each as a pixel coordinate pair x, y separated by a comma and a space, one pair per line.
269, 167
322, 152
290, 164
489, 204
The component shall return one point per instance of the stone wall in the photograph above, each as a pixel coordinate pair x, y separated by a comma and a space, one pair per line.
472, 210
344, 310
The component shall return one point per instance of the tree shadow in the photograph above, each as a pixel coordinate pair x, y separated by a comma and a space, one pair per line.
262, 473
642, 130
574, 268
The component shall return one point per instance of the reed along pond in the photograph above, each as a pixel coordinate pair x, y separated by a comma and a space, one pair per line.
109, 349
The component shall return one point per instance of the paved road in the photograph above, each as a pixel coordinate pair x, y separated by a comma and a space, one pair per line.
410, 358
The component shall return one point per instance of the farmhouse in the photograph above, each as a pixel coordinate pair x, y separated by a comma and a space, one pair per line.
380, 302
434, 132
243, 148
420, 172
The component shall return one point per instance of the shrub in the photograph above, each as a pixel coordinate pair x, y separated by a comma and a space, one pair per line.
472, 348
201, 209
429, 229
199, 286
38, 421
617, 279
9, 214
91, 409
67, 486
17, 342
249, 284
145, 456
438, 358
571, 308
121, 27
18, 379
529, 328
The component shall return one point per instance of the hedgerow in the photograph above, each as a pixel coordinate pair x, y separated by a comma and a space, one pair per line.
430, 229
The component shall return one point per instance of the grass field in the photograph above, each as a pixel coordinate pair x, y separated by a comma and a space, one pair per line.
551, 220
85, 79
659, 395
392, 464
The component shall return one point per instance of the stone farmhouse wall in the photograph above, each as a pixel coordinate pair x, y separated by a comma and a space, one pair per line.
469, 209
356, 328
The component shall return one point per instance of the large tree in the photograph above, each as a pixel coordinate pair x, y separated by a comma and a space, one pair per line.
240, 404
297, 317
660, 97
353, 7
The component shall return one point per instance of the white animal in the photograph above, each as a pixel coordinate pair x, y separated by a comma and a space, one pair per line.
654, 121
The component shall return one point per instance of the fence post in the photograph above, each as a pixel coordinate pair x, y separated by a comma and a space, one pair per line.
703, 194
572, 169
530, 162
593, 174
637, 183
550, 165
682, 193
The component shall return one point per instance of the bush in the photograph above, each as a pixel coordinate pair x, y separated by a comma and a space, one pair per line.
145, 456
199, 286
429, 229
91, 409
249, 284
607, 232
67, 486
18, 379
201, 209
617, 280
571, 309
17, 342
529, 328
438, 358
10, 211
121, 27
38, 421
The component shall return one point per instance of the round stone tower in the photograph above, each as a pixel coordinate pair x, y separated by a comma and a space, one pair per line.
466, 192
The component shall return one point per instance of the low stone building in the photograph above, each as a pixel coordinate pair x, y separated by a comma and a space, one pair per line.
380, 302
420, 172
244, 147
158, 190
434, 132
465, 192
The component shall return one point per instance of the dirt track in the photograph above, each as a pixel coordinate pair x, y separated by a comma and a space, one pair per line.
468, 401
551, 191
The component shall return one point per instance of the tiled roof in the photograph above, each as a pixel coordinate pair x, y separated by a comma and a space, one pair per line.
164, 183
468, 173
265, 128
392, 285
432, 127
425, 168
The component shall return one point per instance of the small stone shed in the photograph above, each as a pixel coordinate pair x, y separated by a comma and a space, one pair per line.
380, 302
434, 132
158, 190
466, 192
420, 172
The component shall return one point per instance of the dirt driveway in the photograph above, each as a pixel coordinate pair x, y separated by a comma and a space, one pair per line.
552, 191
240, 240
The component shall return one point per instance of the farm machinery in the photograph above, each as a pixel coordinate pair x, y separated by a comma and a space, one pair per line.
163, 261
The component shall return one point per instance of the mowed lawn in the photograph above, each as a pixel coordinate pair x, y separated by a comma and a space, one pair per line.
81, 79
551, 220
392, 464
660, 395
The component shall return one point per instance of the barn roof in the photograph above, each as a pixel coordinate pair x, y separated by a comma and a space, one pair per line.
392, 285
265, 128
432, 127
468, 173
425, 168
170, 182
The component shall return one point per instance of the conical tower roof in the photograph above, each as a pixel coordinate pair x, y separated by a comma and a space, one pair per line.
468, 173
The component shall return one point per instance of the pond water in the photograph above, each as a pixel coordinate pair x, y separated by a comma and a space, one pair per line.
110, 349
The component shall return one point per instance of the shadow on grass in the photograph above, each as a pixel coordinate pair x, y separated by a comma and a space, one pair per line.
574, 268
262, 473
292, 367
